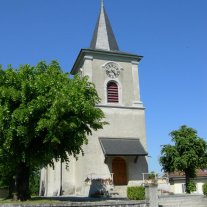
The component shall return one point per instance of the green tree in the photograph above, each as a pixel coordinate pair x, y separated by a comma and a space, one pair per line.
34, 182
188, 153
44, 117
7, 176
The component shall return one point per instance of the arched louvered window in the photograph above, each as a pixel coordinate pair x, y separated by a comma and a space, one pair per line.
112, 92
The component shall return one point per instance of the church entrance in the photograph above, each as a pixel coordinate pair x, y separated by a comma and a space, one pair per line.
120, 171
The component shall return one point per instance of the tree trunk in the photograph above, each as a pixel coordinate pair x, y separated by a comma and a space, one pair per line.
187, 181
22, 182
11, 187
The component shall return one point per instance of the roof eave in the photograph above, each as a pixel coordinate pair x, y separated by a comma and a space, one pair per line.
127, 155
83, 52
183, 178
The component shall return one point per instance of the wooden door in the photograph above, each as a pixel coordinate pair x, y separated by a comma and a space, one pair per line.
119, 170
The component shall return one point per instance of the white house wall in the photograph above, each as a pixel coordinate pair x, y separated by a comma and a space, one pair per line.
176, 187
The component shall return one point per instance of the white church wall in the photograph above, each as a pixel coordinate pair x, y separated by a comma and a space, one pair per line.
52, 189
91, 165
126, 119
68, 177
127, 80
124, 122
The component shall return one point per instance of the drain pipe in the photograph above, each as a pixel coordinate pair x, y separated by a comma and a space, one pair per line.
61, 176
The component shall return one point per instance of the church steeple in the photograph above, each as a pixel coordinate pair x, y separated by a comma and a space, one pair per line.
103, 36
102, 3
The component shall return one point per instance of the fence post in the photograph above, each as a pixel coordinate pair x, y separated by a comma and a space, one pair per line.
151, 194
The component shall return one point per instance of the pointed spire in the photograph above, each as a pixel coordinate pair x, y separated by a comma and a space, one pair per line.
102, 3
103, 36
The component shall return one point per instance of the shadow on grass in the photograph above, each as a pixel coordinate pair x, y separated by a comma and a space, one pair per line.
59, 199
77, 199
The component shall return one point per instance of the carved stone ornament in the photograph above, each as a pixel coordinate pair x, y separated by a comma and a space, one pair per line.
112, 69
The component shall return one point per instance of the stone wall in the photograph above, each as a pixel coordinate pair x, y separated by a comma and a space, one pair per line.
113, 203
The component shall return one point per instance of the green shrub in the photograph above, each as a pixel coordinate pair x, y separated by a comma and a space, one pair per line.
34, 182
191, 187
136, 193
205, 189
152, 175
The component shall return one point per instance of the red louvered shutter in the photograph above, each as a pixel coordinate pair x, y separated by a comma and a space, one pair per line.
112, 93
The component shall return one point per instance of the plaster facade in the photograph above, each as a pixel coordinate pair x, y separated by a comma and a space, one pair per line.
178, 187
126, 119
177, 181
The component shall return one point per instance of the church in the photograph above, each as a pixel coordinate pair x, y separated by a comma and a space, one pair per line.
115, 156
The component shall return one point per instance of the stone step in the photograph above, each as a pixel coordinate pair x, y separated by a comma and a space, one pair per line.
187, 202
182, 205
174, 199
190, 201
183, 201
198, 203
182, 197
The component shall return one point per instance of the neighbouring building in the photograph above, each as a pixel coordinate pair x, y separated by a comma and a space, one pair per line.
115, 155
177, 181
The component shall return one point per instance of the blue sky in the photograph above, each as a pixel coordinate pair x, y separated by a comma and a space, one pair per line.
171, 35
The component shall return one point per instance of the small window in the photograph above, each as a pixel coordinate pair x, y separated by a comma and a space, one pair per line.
112, 92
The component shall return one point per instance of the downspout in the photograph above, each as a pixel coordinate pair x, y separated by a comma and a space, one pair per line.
61, 177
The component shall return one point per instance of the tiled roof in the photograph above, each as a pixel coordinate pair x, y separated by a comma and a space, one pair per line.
199, 173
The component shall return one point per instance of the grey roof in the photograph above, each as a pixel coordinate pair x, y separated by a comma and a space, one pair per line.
122, 146
103, 36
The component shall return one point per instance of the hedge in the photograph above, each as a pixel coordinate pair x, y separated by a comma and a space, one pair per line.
136, 193
205, 189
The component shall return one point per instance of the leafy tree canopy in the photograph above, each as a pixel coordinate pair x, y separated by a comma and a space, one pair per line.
44, 116
188, 153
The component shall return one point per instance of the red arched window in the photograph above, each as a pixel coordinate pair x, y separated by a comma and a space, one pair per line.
112, 92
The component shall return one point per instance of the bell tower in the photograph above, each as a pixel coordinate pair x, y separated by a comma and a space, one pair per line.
116, 78
115, 73
116, 153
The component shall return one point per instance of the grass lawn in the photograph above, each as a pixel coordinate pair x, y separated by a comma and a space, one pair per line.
33, 200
